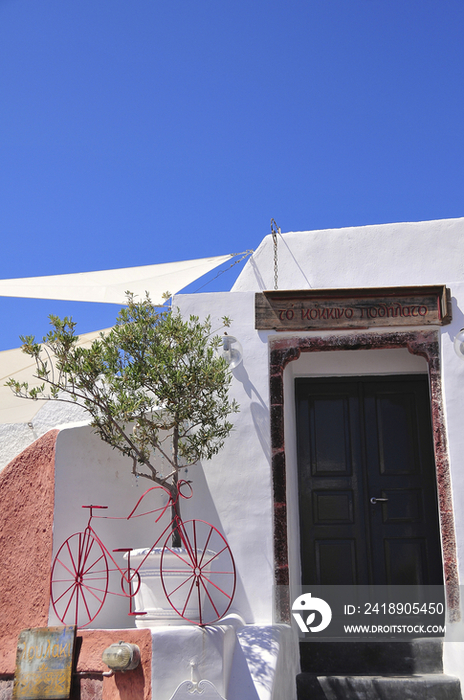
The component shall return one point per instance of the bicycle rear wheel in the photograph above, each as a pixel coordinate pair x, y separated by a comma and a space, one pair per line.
79, 580
199, 577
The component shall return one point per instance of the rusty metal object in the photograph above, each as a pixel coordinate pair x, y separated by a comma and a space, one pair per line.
44, 662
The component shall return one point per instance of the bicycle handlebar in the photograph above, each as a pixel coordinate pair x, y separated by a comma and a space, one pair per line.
171, 501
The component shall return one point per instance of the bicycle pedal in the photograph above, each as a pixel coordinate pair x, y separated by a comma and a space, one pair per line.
137, 613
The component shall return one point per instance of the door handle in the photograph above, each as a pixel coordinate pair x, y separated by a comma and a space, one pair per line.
378, 500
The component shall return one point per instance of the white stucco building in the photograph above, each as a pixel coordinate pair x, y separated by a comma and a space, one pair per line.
345, 463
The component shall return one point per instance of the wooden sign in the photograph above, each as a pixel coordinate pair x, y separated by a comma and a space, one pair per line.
44, 662
320, 309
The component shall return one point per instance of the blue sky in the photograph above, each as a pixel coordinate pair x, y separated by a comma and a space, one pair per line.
150, 131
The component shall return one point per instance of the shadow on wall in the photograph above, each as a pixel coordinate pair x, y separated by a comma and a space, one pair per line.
458, 321
259, 279
260, 647
258, 409
265, 663
209, 513
260, 416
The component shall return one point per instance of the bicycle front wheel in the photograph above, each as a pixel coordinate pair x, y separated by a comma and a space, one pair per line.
79, 580
199, 577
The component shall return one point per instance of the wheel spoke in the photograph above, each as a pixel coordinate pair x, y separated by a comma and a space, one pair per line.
184, 559
200, 607
209, 598
85, 601
57, 600
79, 579
204, 565
205, 547
195, 548
84, 573
215, 556
91, 590
70, 600
87, 545
211, 583
73, 573
188, 597
186, 542
71, 557
190, 578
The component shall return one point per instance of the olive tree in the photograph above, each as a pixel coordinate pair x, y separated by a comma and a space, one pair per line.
153, 385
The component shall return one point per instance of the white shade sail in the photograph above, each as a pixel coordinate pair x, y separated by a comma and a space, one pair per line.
14, 363
106, 286
110, 286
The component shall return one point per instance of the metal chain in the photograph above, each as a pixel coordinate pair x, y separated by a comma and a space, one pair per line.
275, 230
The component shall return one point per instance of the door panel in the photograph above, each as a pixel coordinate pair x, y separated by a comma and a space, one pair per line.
331, 456
336, 562
405, 561
393, 430
330, 473
333, 507
364, 438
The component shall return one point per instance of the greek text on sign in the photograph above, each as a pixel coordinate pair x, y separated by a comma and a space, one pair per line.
352, 308
44, 661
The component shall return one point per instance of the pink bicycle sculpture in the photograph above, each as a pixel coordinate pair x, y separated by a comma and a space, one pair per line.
198, 578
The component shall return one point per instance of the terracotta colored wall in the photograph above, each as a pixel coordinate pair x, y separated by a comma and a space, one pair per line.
26, 533
132, 685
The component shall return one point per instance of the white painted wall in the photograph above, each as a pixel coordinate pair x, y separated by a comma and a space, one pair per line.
15, 437
232, 491
429, 252
391, 254
238, 479
394, 254
385, 255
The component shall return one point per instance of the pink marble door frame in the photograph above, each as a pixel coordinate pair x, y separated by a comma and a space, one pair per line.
285, 350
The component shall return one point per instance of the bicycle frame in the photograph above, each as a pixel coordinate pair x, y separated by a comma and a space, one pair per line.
175, 521
80, 573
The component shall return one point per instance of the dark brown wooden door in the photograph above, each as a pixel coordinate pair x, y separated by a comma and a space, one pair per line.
367, 485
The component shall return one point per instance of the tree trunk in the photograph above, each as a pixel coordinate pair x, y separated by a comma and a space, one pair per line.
176, 541
175, 514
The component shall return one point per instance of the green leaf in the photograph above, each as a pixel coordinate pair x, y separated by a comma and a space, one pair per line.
154, 374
